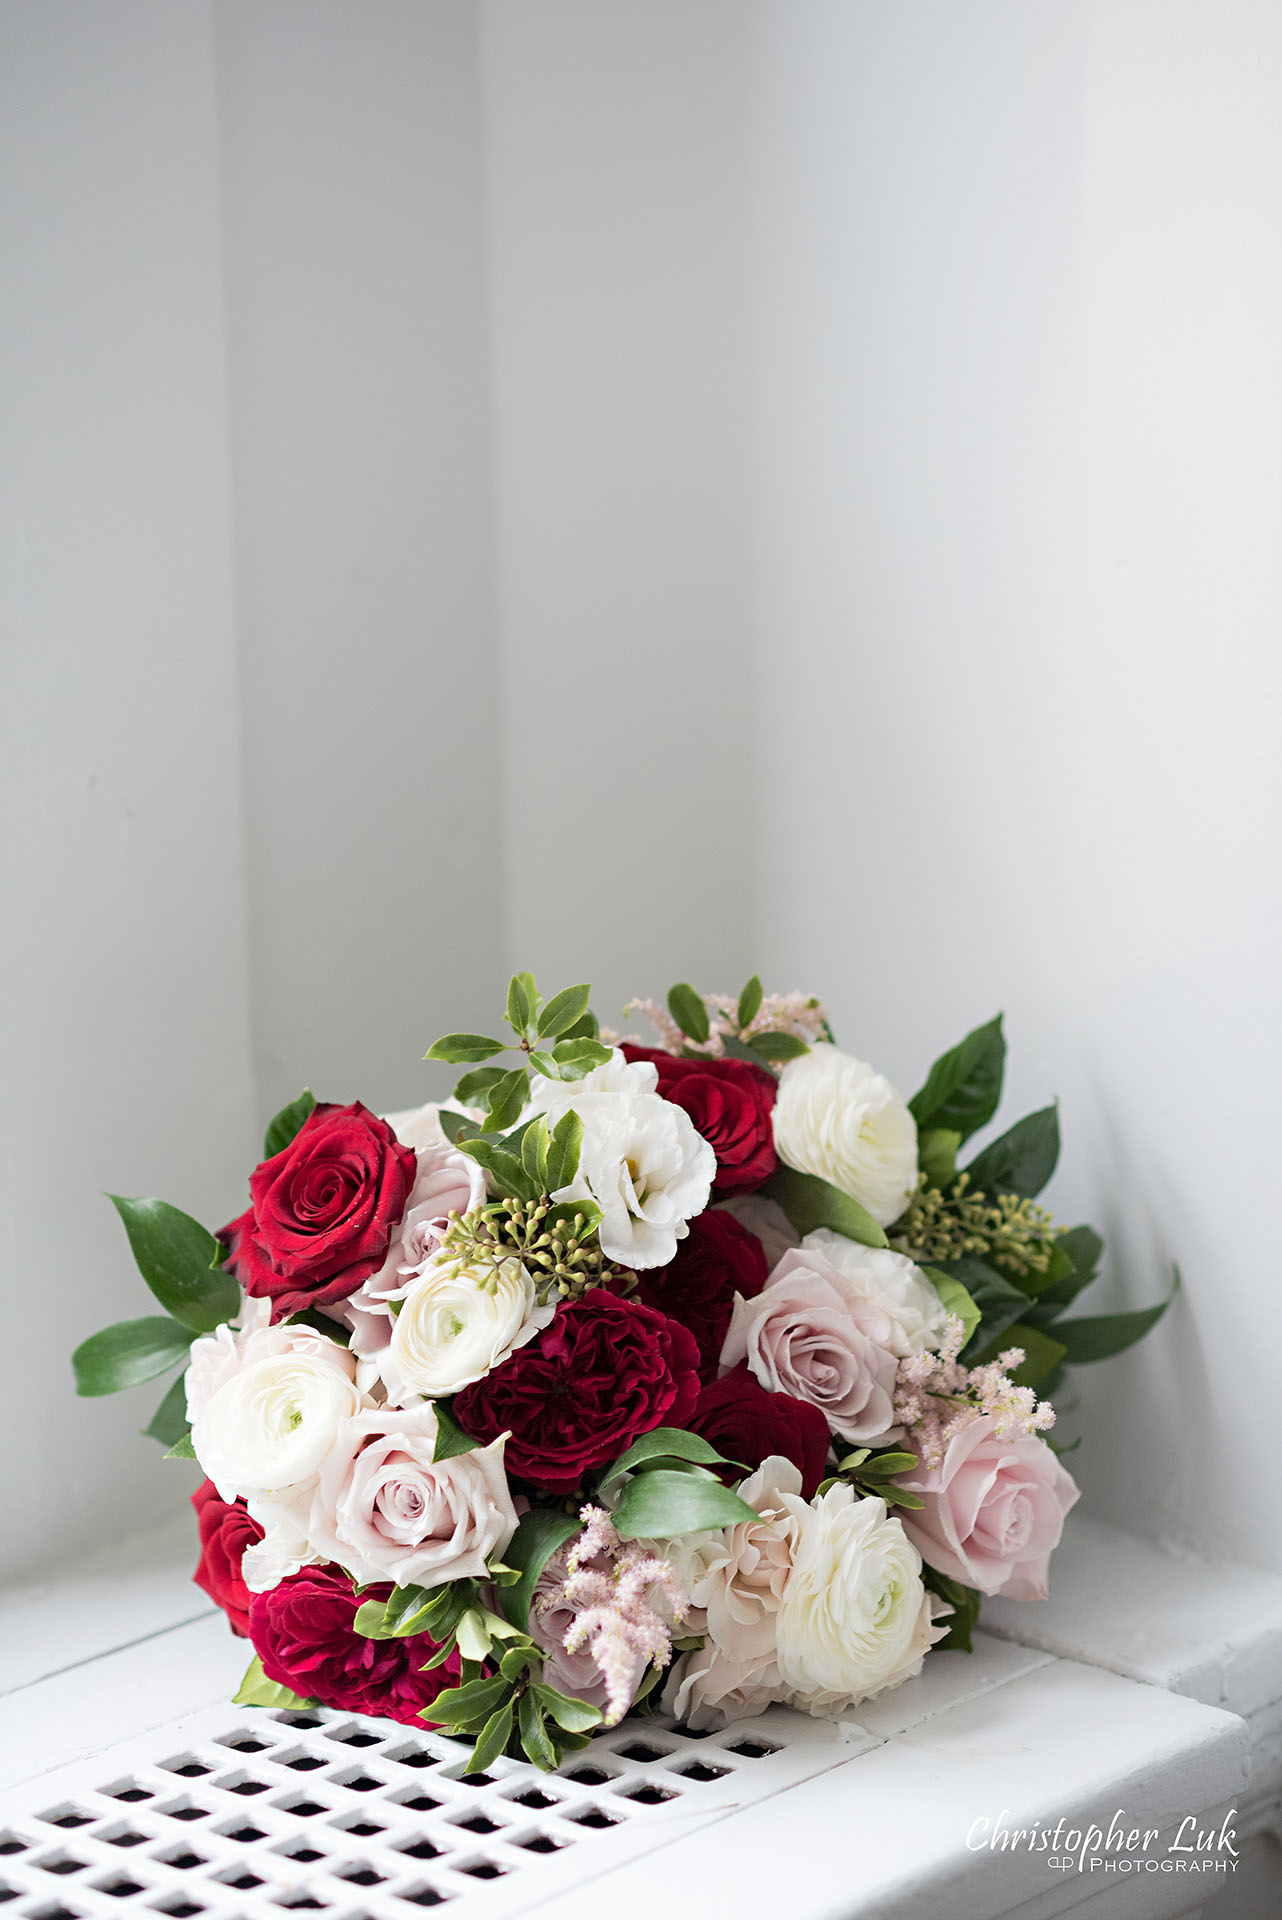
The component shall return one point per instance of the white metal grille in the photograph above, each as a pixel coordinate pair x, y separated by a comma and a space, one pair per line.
258, 1815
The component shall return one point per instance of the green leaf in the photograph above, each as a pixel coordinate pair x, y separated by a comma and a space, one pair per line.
563, 1011
476, 1701
937, 1155
810, 1202
689, 1012
321, 1323
456, 1127
450, 1437
287, 1123
168, 1423
473, 1636
897, 1496
128, 1354
522, 1004
576, 1716
779, 1046
175, 1256
1082, 1248
508, 1174
667, 1443
534, 1737
544, 1063
563, 1152
256, 1690
853, 1460
884, 1466
1022, 1160
964, 1086
516, 1662
539, 1533
1042, 1354
371, 1621
965, 1603
472, 1090
460, 1048
999, 1300
1105, 1334
534, 1153
661, 1504
749, 1003
182, 1448
954, 1299
505, 1099
575, 1058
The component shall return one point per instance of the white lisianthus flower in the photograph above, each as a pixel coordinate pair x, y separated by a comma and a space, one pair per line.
838, 1118
455, 1322
892, 1282
265, 1406
642, 1160
855, 1617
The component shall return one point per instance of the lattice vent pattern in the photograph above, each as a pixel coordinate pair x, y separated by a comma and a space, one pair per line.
259, 1815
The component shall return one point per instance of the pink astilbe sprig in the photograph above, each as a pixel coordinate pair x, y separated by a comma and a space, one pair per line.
610, 1584
799, 1013
936, 1396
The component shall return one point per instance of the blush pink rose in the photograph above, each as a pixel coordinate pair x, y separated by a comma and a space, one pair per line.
994, 1511
812, 1335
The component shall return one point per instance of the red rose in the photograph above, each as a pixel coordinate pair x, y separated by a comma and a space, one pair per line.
730, 1103
303, 1633
746, 1423
321, 1211
717, 1259
225, 1531
579, 1393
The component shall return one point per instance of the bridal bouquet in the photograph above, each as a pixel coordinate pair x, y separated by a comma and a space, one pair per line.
695, 1372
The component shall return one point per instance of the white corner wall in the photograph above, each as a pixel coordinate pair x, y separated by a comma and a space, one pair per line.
1018, 404
125, 1004
832, 448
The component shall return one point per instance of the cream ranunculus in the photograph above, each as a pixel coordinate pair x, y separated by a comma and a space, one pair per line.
855, 1617
455, 1321
384, 1509
265, 1406
736, 1580
642, 1161
892, 1282
837, 1118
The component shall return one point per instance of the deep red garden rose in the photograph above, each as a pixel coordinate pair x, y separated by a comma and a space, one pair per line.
730, 1103
225, 1531
321, 1211
604, 1371
746, 1423
717, 1259
303, 1633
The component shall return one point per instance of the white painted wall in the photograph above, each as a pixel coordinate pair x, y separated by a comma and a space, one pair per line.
616, 165
124, 1003
359, 366
1018, 410
871, 411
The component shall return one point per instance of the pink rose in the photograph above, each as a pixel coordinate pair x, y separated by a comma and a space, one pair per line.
386, 1510
812, 1335
994, 1511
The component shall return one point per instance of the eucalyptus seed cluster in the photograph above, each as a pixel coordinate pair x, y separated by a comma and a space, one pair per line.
555, 1243
1017, 1234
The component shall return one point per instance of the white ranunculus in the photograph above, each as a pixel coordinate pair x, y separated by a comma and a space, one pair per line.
892, 1282
454, 1322
384, 1509
446, 1182
265, 1405
284, 1547
855, 1617
642, 1160
837, 1118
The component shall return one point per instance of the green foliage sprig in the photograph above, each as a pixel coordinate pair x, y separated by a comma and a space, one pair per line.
557, 1037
